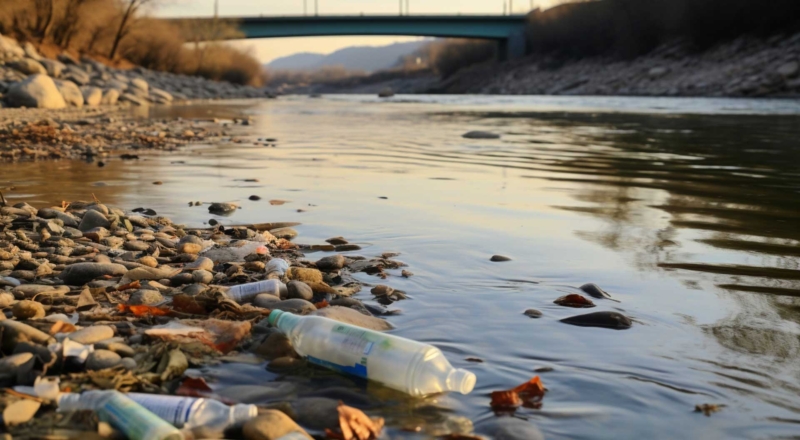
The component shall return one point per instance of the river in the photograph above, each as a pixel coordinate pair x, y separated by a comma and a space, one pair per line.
685, 210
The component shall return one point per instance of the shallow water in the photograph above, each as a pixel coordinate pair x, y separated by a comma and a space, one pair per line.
686, 210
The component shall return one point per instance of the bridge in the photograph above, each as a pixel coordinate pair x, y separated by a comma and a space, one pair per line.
507, 30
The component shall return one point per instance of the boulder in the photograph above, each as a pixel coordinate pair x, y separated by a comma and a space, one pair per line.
139, 84
28, 66
77, 75
53, 67
9, 48
67, 59
110, 97
161, 95
36, 91
93, 219
71, 93
272, 425
31, 51
133, 99
92, 96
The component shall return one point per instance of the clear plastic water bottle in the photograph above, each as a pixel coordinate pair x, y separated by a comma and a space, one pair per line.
246, 292
278, 265
121, 412
405, 365
181, 412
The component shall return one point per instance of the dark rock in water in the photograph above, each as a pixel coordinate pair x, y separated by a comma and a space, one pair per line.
533, 313
337, 241
499, 258
317, 412
271, 425
254, 198
81, 273
511, 428
347, 247
594, 290
277, 345
480, 135
612, 320
331, 264
253, 394
222, 208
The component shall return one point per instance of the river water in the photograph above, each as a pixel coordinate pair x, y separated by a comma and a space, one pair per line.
686, 210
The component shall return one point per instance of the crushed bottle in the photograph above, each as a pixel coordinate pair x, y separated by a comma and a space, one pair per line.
247, 292
409, 366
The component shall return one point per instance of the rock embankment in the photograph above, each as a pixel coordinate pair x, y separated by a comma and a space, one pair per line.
745, 67
29, 80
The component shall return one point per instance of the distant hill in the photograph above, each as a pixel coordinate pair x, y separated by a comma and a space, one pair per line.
366, 58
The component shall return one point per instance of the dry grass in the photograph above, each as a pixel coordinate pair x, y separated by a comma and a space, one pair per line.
90, 27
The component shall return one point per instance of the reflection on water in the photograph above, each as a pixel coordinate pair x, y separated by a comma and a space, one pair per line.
690, 219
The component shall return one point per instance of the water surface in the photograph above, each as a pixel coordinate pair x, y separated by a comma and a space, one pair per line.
686, 210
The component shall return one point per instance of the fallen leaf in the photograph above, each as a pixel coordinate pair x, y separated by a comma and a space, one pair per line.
86, 301
20, 412
528, 394
278, 202
355, 425
132, 285
322, 304
61, 327
574, 300
192, 385
143, 310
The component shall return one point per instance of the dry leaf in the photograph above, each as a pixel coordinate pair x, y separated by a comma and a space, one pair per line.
62, 327
132, 285
86, 301
574, 300
356, 425
708, 408
143, 310
528, 394
322, 304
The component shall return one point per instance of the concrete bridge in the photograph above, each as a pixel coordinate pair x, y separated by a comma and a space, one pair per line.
507, 30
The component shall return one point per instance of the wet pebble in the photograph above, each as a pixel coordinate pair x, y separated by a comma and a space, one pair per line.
6, 299
11, 365
148, 261
254, 198
272, 425
254, 394
222, 208
276, 345
202, 263
93, 219
266, 300
382, 290
595, 291
81, 273
299, 289
28, 310
102, 359
611, 320
117, 347
295, 305
90, 335
189, 248
533, 313
285, 364
285, 233
337, 241
317, 412
477, 134
145, 297
331, 264
499, 258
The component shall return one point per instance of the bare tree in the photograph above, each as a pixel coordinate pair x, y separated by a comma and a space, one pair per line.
132, 8
44, 17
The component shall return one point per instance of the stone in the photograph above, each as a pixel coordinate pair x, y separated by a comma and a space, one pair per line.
15, 332
117, 347
93, 219
67, 59
145, 297
254, 394
386, 92
202, 263
27, 309
6, 299
110, 97
299, 289
10, 48
71, 92
595, 291
93, 334
533, 313
353, 317
789, 70
275, 346
382, 290
480, 135
202, 276
67, 219
133, 99
189, 248
657, 72
273, 424
28, 66
102, 359
27, 291
53, 67
162, 95
499, 258
285, 233
81, 273
222, 208
35, 91
265, 300
92, 96
612, 320
135, 245
10, 365
332, 263
295, 305
31, 52
139, 84
317, 412
511, 428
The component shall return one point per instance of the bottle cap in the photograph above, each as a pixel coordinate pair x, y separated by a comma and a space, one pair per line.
274, 316
242, 413
461, 380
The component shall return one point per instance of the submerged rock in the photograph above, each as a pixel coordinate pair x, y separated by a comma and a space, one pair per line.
594, 290
353, 317
480, 135
272, 425
611, 320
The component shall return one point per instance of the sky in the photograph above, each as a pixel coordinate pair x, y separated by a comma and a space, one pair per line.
268, 49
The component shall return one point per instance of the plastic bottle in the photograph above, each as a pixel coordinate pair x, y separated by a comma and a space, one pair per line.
246, 292
127, 416
181, 412
405, 365
278, 265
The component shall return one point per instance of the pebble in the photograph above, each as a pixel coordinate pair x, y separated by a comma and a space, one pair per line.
117, 347
480, 135
295, 305
254, 394
222, 208
90, 335
11, 364
285, 233
611, 320
533, 313
317, 412
332, 263
202, 263
14, 332
337, 241
272, 425
189, 248
102, 359
353, 317
382, 290
148, 261
299, 289
145, 297
595, 291
265, 300
499, 258
81, 273
6, 299
254, 198
304, 274
202, 276
93, 219
285, 364
28, 310
276, 345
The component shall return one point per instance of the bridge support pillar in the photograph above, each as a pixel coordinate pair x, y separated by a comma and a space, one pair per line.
512, 47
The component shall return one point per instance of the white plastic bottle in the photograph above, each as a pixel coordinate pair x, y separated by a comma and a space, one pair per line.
277, 265
121, 412
405, 365
246, 292
181, 412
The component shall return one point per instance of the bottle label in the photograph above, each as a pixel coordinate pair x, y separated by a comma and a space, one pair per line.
174, 409
353, 344
133, 420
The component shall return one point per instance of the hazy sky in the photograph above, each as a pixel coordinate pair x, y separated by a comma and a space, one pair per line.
269, 49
